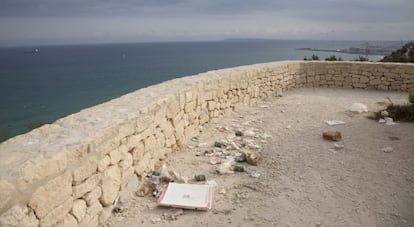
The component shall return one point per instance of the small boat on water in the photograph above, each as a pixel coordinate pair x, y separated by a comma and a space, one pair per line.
34, 51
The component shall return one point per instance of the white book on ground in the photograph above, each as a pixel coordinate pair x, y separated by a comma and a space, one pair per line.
187, 196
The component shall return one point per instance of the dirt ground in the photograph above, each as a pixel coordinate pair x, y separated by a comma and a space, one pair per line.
303, 181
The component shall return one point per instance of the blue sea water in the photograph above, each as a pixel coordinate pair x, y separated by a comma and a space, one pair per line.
60, 80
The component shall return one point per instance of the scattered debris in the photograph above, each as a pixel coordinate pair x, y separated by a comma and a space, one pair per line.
333, 136
334, 122
187, 196
215, 160
212, 183
238, 168
288, 127
266, 136
252, 173
220, 144
225, 167
358, 108
155, 219
202, 145
239, 133
222, 191
387, 149
387, 121
393, 138
385, 113
118, 206
249, 133
173, 213
252, 158
200, 177
338, 146
239, 157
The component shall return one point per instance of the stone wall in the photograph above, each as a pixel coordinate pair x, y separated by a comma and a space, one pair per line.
70, 172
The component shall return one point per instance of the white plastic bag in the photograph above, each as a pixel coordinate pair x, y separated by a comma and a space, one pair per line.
358, 108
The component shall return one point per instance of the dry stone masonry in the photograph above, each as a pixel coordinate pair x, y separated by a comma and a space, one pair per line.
69, 173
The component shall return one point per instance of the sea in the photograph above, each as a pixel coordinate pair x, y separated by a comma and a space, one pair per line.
38, 87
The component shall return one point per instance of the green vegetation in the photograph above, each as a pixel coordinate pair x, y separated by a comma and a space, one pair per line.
313, 58
333, 58
404, 54
400, 112
361, 58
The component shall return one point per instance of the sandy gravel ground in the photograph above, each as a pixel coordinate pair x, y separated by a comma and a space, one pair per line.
303, 181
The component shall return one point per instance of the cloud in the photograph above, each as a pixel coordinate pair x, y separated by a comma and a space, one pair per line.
148, 20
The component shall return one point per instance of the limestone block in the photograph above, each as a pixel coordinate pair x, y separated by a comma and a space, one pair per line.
188, 96
132, 141
143, 164
126, 162
310, 79
211, 105
383, 87
160, 139
89, 221
167, 129
53, 193
115, 156
111, 182
107, 145
93, 196
172, 109
189, 107
105, 214
105, 161
191, 131
18, 216
94, 209
408, 81
143, 123
171, 141
127, 175
127, 128
57, 214
177, 119
394, 88
204, 117
363, 79
150, 143
375, 82
407, 76
87, 186
79, 209
182, 100
68, 221
138, 151
84, 171
6, 191
39, 168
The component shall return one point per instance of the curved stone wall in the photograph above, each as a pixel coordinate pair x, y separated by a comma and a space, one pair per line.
70, 172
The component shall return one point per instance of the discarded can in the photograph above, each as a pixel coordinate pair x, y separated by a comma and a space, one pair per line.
200, 177
240, 157
219, 144
237, 168
239, 133
333, 136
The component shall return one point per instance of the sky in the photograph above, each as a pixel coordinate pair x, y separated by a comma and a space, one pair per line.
42, 22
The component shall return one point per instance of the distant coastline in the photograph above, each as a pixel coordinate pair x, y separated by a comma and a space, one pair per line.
354, 50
